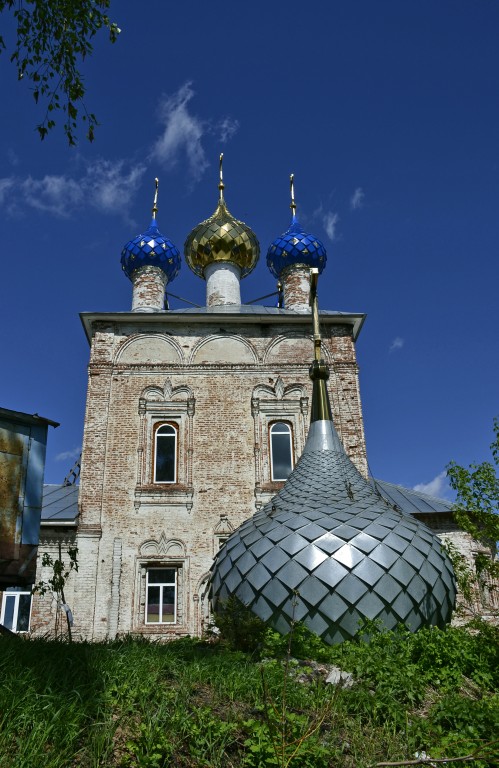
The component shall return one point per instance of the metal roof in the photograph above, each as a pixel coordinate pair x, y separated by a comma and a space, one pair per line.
236, 313
60, 504
26, 418
410, 501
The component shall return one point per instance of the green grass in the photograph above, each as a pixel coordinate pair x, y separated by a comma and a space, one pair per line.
187, 703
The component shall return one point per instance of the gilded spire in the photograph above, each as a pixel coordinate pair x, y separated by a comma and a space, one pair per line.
319, 371
292, 190
155, 202
221, 185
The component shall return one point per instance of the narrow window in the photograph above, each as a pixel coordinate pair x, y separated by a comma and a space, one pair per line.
16, 609
281, 455
161, 596
165, 463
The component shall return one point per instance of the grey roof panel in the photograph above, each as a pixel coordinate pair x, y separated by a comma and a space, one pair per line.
410, 501
60, 503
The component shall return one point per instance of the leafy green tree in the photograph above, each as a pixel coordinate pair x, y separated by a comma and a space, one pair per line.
53, 37
476, 509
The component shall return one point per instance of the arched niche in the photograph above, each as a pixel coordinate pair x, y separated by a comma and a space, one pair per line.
153, 348
224, 349
292, 349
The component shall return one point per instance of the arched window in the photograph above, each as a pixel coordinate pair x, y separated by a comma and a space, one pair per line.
165, 462
281, 453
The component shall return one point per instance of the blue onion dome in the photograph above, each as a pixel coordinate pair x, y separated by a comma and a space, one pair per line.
295, 247
330, 552
151, 248
222, 238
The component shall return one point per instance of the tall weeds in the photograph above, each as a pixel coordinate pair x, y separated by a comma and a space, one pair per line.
183, 704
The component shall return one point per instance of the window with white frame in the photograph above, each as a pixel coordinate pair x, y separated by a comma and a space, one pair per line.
165, 453
281, 450
16, 610
161, 596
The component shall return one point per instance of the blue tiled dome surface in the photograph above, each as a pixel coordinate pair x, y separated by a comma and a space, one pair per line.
295, 246
151, 248
329, 552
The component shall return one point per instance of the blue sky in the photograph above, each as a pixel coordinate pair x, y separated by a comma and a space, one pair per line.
388, 115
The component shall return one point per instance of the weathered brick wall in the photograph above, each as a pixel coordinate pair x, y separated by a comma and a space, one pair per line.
47, 617
296, 288
148, 289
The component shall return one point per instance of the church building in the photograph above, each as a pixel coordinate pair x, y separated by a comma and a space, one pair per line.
194, 420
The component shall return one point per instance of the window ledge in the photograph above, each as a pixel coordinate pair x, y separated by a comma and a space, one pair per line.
271, 487
164, 494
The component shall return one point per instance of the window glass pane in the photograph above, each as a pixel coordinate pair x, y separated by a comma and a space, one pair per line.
281, 426
161, 576
168, 604
8, 615
165, 456
281, 454
166, 429
23, 613
153, 598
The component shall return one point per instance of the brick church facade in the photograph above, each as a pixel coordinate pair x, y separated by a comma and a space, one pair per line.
193, 420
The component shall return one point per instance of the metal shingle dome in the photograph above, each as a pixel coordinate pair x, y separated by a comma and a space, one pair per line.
295, 247
221, 238
151, 248
329, 552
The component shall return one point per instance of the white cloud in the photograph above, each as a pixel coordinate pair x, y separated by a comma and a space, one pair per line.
104, 185
397, 343
6, 186
330, 221
183, 132
438, 487
357, 199
226, 129
112, 185
67, 455
52, 194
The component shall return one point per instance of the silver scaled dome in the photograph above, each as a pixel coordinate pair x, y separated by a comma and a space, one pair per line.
330, 552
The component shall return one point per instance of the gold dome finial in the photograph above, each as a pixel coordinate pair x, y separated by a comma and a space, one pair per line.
155, 202
221, 185
292, 189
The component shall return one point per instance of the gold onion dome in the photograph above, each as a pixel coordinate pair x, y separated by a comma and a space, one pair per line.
221, 238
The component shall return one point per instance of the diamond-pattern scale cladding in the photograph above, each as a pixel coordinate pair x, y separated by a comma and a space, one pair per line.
221, 238
295, 247
151, 248
332, 569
